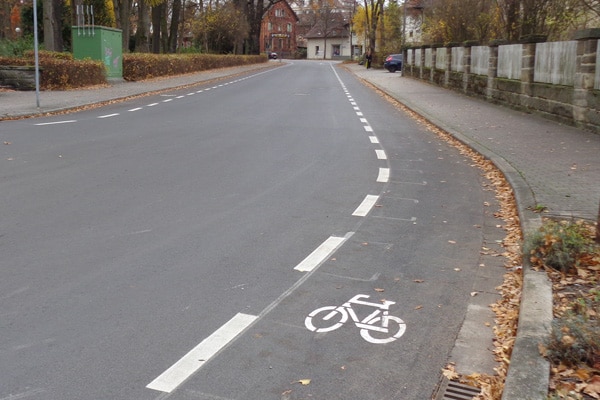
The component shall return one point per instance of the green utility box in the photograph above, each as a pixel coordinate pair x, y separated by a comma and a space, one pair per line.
102, 44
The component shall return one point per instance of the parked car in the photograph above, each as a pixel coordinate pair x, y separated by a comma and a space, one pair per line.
393, 62
273, 56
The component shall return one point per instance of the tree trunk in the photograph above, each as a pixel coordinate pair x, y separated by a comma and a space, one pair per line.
174, 29
156, 24
52, 25
164, 38
124, 12
141, 35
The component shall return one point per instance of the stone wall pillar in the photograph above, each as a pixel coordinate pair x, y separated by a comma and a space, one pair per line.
466, 62
492, 72
448, 66
585, 70
527, 68
433, 58
422, 66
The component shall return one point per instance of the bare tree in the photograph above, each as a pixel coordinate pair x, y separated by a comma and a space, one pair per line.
373, 15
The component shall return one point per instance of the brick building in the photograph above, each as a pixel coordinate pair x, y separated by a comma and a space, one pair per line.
278, 30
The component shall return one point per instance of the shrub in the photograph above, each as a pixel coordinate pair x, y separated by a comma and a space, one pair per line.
575, 337
140, 66
45, 55
69, 74
15, 48
60, 73
559, 245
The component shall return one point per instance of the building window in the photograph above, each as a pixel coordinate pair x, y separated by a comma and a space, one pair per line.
279, 12
270, 27
289, 27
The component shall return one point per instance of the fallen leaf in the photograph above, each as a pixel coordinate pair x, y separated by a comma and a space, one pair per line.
418, 281
473, 294
418, 307
450, 373
7, 143
379, 290
593, 388
457, 269
303, 382
567, 340
451, 241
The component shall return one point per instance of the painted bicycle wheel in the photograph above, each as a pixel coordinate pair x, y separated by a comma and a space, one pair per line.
378, 335
326, 319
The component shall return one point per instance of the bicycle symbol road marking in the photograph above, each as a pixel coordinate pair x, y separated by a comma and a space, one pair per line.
379, 321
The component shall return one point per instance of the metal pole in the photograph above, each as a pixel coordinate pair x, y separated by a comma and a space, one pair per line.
36, 55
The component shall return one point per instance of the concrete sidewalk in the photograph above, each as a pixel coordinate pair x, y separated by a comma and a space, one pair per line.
548, 165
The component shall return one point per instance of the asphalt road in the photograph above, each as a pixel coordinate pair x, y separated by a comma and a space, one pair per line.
175, 246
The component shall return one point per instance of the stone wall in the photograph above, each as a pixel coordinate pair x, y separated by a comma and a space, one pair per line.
559, 80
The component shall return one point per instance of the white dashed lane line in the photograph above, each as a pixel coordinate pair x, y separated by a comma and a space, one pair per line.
108, 116
57, 122
384, 175
365, 207
318, 256
195, 358
381, 154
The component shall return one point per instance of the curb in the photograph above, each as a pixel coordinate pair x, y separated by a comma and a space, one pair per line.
528, 374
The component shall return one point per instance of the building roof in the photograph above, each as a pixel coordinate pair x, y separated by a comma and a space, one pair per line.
336, 26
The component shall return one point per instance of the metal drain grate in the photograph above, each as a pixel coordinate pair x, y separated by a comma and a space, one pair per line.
450, 390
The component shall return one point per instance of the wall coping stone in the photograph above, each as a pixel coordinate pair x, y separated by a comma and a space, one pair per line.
592, 33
